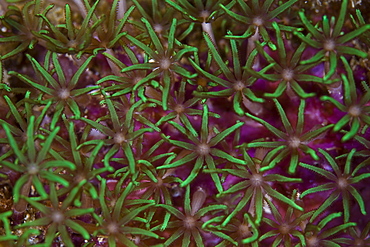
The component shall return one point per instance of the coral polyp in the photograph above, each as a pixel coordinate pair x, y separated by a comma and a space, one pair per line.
184, 123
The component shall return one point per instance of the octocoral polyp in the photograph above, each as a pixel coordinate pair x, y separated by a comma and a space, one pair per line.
184, 123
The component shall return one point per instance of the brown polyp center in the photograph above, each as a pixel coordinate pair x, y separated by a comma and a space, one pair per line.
112, 228
57, 217
119, 138
179, 108
329, 45
165, 63
203, 149
256, 180
135, 80
342, 183
72, 44
284, 229
189, 222
80, 177
244, 231
204, 14
258, 21
294, 142
359, 242
32, 169
312, 241
287, 74
354, 111
239, 86
64, 93
160, 182
158, 28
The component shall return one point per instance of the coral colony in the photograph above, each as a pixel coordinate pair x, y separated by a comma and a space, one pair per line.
184, 123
